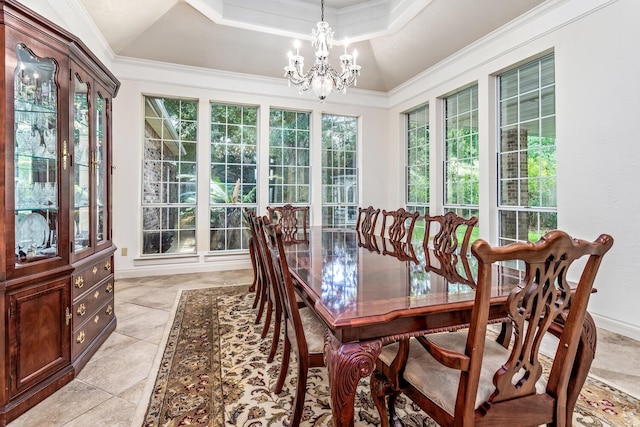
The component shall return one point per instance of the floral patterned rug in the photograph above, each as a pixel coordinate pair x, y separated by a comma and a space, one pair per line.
214, 373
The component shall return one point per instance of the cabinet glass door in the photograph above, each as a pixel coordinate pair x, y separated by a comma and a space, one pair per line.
82, 166
36, 206
101, 171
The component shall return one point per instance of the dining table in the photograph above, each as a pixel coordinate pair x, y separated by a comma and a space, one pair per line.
370, 291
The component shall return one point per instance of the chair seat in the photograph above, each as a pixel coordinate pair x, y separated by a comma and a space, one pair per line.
313, 331
440, 383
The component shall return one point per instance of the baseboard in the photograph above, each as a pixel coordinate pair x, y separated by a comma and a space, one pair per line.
616, 326
159, 269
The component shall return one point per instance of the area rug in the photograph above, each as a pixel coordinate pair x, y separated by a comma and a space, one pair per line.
214, 373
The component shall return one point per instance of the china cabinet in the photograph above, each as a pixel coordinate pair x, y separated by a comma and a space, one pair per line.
56, 274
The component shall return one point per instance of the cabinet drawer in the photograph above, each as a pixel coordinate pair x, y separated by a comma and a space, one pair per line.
84, 279
89, 302
85, 334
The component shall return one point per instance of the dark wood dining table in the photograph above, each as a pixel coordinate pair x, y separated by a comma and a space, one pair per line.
370, 291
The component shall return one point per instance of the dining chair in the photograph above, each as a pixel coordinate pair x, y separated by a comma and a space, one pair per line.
445, 233
466, 378
272, 294
302, 327
398, 225
293, 221
260, 282
367, 218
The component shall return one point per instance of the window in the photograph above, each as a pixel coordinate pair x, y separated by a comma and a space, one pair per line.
233, 182
527, 152
289, 136
418, 166
462, 172
169, 176
339, 171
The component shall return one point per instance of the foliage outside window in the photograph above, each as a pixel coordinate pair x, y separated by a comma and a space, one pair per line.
527, 152
289, 135
339, 170
169, 177
461, 162
418, 166
233, 178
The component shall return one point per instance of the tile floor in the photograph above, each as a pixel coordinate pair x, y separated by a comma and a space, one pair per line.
113, 387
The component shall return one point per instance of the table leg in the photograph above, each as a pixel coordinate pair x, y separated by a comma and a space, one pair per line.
346, 364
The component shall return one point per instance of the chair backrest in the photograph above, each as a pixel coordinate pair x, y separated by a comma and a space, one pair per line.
367, 218
293, 221
543, 298
263, 261
275, 244
445, 238
398, 225
250, 216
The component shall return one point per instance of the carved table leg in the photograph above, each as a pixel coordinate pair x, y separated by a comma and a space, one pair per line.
346, 364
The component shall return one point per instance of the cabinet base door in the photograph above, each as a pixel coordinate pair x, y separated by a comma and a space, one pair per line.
39, 330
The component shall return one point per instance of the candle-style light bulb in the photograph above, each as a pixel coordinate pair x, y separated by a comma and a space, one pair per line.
346, 44
296, 44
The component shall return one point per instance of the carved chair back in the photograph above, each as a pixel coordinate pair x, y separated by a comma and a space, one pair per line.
259, 281
367, 218
445, 238
467, 379
398, 225
293, 221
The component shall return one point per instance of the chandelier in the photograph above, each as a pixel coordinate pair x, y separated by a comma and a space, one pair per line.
322, 78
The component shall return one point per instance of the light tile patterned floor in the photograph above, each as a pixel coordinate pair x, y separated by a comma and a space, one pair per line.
109, 391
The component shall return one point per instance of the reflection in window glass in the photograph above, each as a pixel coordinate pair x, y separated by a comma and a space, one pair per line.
169, 176
527, 152
233, 177
339, 171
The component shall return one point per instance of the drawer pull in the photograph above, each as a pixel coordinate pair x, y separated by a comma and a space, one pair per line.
81, 309
95, 270
96, 319
80, 337
107, 265
109, 287
79, 282
109, 310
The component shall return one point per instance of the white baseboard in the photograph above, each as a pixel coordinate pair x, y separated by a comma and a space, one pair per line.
613, 325
161, 269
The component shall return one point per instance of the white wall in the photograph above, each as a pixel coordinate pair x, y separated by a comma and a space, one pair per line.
597, 68
597, 90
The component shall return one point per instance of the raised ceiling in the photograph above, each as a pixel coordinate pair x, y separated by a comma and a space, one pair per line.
396, 39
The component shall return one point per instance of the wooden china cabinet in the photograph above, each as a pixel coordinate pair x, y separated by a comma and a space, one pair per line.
56, 274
